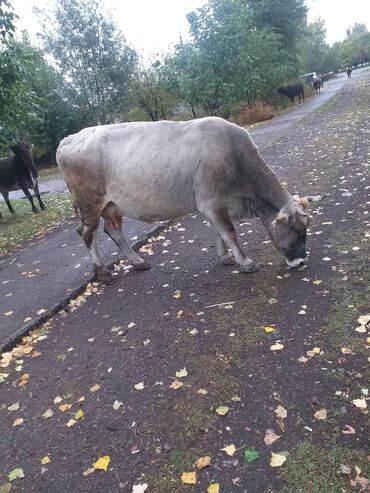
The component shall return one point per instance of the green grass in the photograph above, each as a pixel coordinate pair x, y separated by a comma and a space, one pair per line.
49, 173
18, 228
310, 469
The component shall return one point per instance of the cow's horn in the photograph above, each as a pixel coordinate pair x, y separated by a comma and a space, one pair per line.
282, 217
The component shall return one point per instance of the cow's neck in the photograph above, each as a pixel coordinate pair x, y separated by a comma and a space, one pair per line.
272, 196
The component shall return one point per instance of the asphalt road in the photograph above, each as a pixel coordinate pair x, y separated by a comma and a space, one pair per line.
34, 279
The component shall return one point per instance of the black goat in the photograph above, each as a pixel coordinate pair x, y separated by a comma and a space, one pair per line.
18, 172
292, 91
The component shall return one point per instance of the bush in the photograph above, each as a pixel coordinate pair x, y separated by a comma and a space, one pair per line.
247, 114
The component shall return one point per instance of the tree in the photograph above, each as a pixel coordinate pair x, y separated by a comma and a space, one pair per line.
7, 18
94, 58
313, 49
356, 47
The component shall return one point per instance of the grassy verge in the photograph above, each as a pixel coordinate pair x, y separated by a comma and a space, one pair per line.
49, 173
22, 226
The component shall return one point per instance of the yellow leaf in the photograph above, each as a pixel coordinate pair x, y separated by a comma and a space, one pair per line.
277, 347
95, 388
222, 410
64, 407
202, 391
213, 488
182, 373
317, 282
45, 460
17, 422
139, 386
177, 294
189, 477
346, 350
48, 414
277, 460
24, 379
229, 449
203, 462
321, 414
316, 350
79, 414
71, 422
268, 329
102, 463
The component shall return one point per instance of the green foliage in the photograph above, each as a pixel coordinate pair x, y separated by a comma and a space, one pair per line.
356, 48
228, 59
7, 18
313, 49
91, 53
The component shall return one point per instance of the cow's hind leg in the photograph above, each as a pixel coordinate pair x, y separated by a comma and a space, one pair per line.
89, 235
37, 193
113, 228
223, 252
29, 196
220, 219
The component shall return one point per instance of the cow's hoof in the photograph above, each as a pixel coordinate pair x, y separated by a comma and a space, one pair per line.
228, 260
248, 268
142, 265
35, 211
103, 275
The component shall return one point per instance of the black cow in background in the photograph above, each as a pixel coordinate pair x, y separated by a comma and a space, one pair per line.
18, 172
292, 91
348, 72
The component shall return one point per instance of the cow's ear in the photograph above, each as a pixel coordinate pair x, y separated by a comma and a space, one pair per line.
281, 218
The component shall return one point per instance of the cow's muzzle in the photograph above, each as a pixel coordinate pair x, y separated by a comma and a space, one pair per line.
297, 262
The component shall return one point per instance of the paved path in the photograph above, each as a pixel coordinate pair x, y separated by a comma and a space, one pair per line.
172, 364
34, 279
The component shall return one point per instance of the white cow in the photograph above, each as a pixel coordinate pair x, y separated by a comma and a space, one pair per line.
166, 170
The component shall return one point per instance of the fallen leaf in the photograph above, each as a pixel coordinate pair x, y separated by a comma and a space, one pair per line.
213, 488
45, 460
48, 414
203, 391
361, 403
78, 414
117, 405
277, 347
277, 460
222, 410
236, 398
139, 488
251, 454
88, 471
15, 474
229, 450
24, 379
57, 399
182, 373
64, 407
189, 477
177, 294
203, 462
5, 488
302, 359
346, 350
321, 414
345, 469
176, 384
268, 329
271, 437
102, 463
14, 407
281, 412
364, 319
17, 422
95, 388
139, 386
71, 422
130, 325
349, 430
317, 282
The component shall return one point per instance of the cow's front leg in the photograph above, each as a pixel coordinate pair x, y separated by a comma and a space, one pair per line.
223, 252
29, 196
7, 201
89, 236
113, 228
222, 222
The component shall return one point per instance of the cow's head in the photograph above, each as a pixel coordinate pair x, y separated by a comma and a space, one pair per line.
289, 230
22, 150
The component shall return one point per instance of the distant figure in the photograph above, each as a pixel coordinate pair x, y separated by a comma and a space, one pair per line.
317, 83
292, 91
349, 72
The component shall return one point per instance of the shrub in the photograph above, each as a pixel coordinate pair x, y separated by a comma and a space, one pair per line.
257, 112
